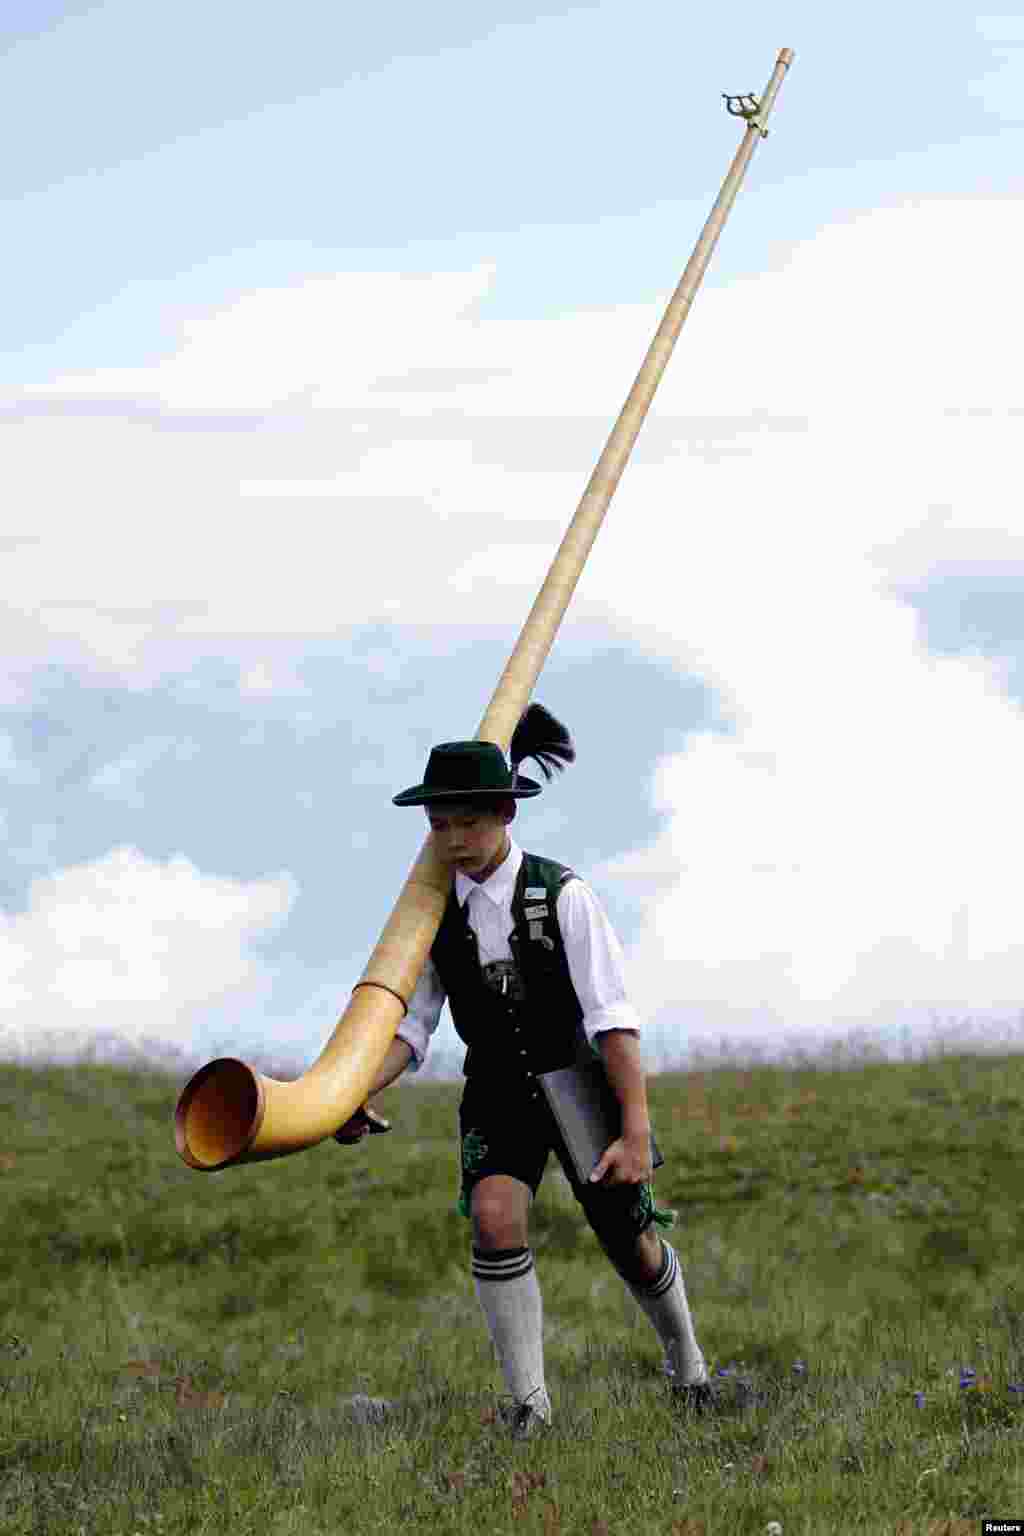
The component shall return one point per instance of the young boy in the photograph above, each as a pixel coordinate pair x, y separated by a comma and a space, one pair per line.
533, 971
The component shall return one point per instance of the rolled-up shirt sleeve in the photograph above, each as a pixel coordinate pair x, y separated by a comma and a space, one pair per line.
423, 1015
596, 963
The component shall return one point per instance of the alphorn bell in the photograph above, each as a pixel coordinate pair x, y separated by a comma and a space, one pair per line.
228, 1113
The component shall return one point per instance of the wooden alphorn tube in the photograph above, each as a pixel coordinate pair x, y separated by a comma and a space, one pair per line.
228, 1113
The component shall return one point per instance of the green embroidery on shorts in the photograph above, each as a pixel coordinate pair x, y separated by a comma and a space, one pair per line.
474, 1150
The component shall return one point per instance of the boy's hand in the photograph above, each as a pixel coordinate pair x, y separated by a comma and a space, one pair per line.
626, 1161
363, 1123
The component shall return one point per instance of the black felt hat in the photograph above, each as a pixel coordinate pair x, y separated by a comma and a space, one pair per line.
470, 770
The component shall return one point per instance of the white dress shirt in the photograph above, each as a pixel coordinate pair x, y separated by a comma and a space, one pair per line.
592, 950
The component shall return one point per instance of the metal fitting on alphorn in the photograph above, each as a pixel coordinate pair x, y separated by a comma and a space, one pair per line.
748, 108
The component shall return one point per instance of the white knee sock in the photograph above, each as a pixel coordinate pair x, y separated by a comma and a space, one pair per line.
665, 1304
507, 1288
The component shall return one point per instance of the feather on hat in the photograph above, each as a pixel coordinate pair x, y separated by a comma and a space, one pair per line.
468, 770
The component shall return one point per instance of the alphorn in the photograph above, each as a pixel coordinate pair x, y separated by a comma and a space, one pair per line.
228, 1113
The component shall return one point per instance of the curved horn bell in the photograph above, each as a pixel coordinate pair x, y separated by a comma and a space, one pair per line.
228, 1113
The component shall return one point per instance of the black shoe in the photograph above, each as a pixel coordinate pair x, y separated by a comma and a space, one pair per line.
523, 1420
696, 1397
527, 1422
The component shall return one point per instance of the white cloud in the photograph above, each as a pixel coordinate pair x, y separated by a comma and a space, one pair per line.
829, 864
131, 946
851, 852
762, 560
362, 331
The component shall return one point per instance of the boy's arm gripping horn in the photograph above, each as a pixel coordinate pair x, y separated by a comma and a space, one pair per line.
228, 1113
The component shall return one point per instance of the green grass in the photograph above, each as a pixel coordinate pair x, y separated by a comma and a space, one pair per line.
868, 1222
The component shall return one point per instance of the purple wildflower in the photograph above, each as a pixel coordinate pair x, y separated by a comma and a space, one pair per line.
919, 1399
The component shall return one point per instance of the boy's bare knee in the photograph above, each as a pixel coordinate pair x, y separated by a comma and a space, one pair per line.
499, 1208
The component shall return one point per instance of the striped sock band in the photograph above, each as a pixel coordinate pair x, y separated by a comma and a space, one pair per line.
501, 1263
667, 1273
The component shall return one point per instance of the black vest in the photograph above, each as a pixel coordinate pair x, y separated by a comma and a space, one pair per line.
526, 1018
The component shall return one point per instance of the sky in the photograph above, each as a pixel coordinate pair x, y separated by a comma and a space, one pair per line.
318, 320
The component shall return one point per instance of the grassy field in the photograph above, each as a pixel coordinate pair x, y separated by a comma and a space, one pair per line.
192, 1353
